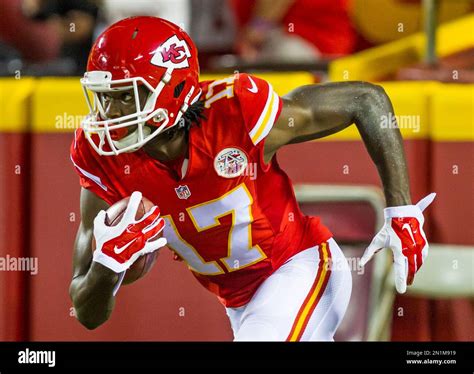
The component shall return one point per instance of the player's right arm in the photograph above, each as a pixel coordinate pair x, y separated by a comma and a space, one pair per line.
97, 275
92, 284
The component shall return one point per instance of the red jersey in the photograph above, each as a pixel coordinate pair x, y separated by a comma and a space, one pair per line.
231, 217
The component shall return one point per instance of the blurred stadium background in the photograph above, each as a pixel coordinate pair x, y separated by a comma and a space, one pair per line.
421, 52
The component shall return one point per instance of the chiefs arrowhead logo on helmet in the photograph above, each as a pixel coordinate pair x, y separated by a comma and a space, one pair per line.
173, 53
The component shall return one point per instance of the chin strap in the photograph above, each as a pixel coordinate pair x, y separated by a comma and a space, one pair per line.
131, 138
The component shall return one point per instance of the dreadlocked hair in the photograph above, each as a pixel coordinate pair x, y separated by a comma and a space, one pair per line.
191, 117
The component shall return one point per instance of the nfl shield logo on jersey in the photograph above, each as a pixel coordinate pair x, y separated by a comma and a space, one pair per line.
183, 192
230, 162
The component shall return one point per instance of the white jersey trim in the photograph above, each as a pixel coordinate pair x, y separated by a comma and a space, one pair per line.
267, 117
91, 176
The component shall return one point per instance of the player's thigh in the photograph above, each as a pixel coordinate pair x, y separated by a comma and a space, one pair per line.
329, 312
305, 299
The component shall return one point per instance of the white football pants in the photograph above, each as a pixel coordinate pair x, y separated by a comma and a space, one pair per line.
304, 300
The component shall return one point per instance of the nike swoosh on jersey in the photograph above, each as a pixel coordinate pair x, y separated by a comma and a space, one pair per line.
407, 227
254, 88
121, 249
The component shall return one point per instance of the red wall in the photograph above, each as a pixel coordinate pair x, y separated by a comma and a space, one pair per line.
452, 177
14, 238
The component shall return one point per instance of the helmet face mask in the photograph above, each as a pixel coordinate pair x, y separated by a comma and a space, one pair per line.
161, 57
97, 123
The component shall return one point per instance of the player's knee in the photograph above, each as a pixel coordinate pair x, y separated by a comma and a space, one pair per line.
257, 332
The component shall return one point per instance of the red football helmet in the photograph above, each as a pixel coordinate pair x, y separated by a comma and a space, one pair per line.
138, 51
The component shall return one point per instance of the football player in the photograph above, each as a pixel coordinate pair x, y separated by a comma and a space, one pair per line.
204, 153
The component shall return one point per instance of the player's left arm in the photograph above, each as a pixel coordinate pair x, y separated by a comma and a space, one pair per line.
315, 111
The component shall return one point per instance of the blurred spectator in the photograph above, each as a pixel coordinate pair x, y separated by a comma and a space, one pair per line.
176, 11
293, 30
74, 22
22, 38
212, 25
213, 30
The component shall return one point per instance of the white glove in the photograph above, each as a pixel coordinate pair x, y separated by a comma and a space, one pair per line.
403, 234
118, 247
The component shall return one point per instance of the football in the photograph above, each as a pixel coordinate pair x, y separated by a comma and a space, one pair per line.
144, 263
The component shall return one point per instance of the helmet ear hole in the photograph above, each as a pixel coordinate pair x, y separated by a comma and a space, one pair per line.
178, 89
